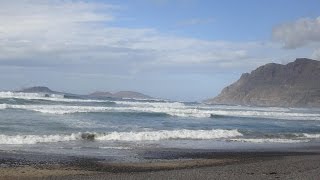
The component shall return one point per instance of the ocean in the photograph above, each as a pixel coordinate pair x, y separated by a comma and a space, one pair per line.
121, 128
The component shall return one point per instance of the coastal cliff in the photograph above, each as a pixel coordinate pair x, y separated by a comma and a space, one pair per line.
296, 84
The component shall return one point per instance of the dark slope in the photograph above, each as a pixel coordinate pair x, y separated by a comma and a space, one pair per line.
296, 84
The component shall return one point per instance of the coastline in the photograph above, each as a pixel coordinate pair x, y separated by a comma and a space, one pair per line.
167, 164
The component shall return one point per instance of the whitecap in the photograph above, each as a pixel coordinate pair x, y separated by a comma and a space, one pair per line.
312, 136
122, 136
173, 109
43, 96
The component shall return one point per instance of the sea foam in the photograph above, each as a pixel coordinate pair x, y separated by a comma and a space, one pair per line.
313, 136
33, 139
270, 140
173, 109
43, 96
166, 134
123, 136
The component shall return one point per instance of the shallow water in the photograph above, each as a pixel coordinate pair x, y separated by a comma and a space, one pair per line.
120, 127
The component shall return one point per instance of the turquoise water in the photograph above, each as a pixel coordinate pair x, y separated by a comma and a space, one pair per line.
121, 127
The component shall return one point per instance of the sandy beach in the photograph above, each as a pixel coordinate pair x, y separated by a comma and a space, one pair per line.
170, 164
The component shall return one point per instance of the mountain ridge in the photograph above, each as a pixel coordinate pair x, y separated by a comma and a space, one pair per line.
97, 94
120, 94
296, 84
38, 89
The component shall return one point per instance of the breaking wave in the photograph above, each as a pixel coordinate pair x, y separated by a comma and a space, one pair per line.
175, 105
172, 109
123, 136
295, 138
33, 139
312, 136
55, 109
166, 134
43, 96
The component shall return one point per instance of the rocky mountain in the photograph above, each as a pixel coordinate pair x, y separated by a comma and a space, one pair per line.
296, 84
120, 94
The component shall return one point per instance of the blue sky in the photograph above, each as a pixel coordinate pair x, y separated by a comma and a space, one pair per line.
232, 20
176, 49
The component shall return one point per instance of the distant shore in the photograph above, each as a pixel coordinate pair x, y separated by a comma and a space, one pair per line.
168, 164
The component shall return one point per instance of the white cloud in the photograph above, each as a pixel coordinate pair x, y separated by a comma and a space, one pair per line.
62, 32
299, 33
35, 16
78, 32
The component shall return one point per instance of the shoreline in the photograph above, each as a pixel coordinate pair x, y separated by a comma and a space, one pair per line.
169, 164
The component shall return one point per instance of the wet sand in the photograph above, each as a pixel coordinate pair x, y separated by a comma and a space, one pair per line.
169, 164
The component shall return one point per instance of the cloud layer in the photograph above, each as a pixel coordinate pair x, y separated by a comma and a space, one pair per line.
40, 33
299, 33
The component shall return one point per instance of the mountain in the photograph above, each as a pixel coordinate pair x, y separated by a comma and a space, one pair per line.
97, 94
48, 92
101, 94
38, 89
120, 94
130, 94
296, 84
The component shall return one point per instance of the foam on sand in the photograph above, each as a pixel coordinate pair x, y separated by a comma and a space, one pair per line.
270, 140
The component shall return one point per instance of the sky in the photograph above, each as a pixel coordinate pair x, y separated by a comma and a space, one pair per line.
186, 50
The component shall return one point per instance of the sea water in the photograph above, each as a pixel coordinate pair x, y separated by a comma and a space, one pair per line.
119, 128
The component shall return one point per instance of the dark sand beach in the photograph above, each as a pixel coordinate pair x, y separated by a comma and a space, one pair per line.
168, 164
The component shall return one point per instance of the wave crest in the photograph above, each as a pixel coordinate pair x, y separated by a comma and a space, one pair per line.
166, 134
312, 136
178, 110
33, 139
43, 96
123, 136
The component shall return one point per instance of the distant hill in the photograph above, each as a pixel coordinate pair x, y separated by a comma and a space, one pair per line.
98, 94
38, 89
48, 91
130, 94
120, 94
296, 84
